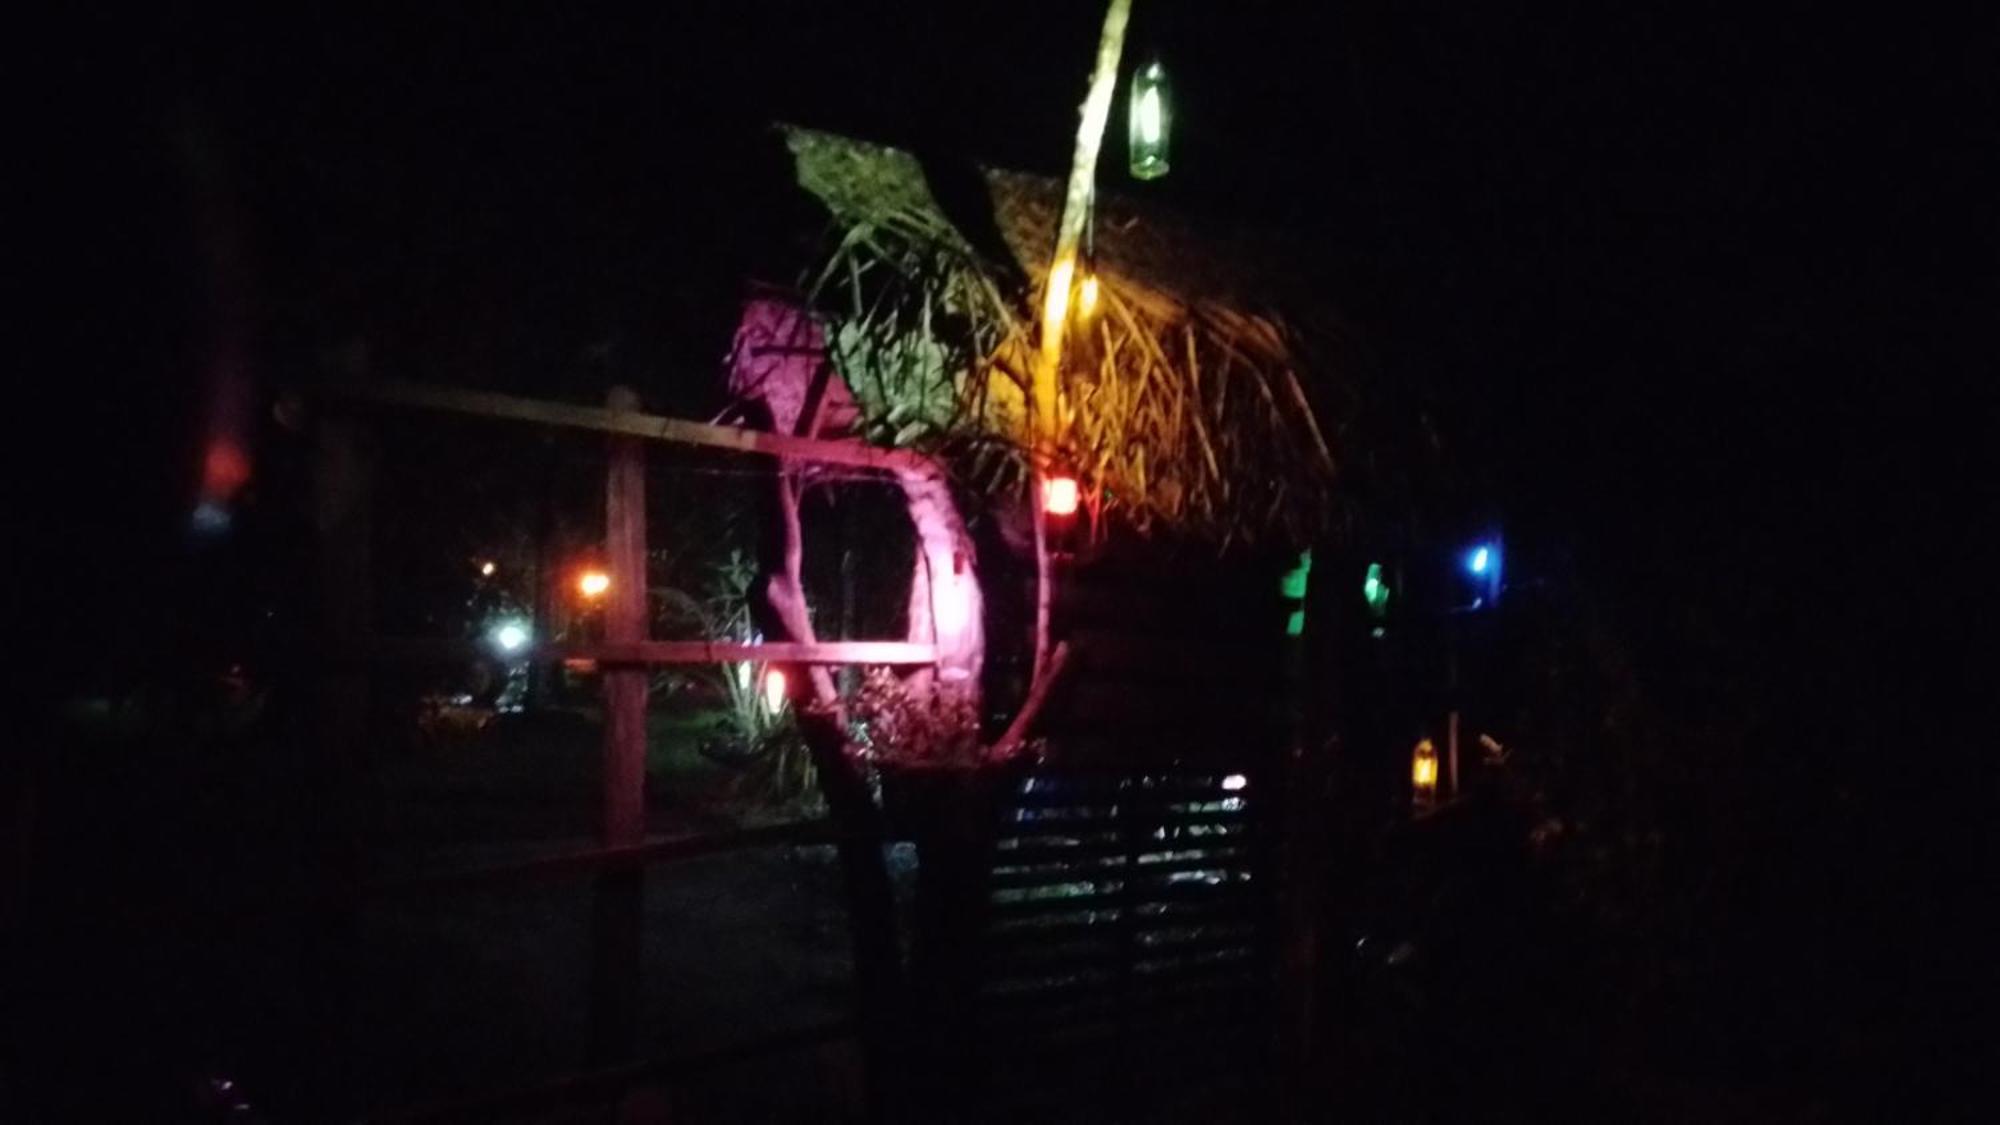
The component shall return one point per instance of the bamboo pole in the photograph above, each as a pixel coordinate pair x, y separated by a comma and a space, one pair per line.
1055, 295
1076, 208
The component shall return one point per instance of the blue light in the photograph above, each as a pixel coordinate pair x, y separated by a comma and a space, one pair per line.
1479, 560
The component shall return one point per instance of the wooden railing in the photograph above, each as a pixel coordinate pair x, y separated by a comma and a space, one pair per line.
342, 475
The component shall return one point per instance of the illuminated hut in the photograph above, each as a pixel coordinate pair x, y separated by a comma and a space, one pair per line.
1200, 401
1143, 652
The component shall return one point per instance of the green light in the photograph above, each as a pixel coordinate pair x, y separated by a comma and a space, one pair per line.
1293, 587
1293, 584
1150, 125
1375, 591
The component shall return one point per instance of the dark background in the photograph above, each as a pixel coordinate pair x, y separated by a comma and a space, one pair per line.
1691, 288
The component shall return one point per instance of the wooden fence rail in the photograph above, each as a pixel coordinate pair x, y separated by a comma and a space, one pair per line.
445, 649
617, 868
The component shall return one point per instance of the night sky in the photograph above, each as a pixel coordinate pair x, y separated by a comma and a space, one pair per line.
1693, 288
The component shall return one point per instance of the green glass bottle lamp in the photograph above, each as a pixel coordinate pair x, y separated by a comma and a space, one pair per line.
1151, 123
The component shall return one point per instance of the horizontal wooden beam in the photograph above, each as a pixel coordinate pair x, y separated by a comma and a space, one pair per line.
658, 652
735, 439
572, 864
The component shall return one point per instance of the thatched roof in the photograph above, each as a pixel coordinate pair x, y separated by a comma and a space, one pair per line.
1201, 394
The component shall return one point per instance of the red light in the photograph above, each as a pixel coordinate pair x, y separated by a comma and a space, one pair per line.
224, 469
1059, 496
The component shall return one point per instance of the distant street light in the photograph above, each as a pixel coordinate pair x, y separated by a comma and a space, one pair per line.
511, 636
593, 584
487, 568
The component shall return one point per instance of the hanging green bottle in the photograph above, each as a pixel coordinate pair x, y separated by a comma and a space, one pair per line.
1151, 122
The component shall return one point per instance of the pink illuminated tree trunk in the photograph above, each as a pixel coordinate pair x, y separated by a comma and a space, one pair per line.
779, 363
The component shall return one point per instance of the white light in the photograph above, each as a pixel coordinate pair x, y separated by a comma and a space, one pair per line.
1235, 781
510, 636
211, 518
774, 691
1149, 115
1481, 558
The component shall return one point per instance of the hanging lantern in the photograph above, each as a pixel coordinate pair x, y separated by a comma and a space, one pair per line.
1424, 772
1151, 122
1059, 496
1375, 591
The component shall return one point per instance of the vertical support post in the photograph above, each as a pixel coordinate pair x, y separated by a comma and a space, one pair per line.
1451, 752
1314, 690
341, 479
619, 912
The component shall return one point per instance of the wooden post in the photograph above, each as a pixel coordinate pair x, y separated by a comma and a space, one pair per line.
1314, 691
619, 911
339, 733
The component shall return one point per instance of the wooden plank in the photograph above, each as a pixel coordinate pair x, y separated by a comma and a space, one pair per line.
1040, 959
1237, 821
420, 649
1228, 848
1156, 986
627, 421
569, 865
1060, 933
1114, 872
1190, 897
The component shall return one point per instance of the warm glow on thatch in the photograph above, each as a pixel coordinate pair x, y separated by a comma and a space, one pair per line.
1173, 407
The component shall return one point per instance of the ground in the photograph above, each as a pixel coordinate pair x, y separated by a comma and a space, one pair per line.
487, 989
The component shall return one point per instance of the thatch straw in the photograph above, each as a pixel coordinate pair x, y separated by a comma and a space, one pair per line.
1187, 399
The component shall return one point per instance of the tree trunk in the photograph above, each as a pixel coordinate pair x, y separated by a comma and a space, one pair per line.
946, 606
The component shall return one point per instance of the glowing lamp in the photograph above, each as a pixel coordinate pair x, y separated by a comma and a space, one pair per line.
1292, 586
510, 636
1235, 782
1375, 591
774, 691
1482, 566
1059, 496
1150, 123
1424, 771
593, 583
487, 568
